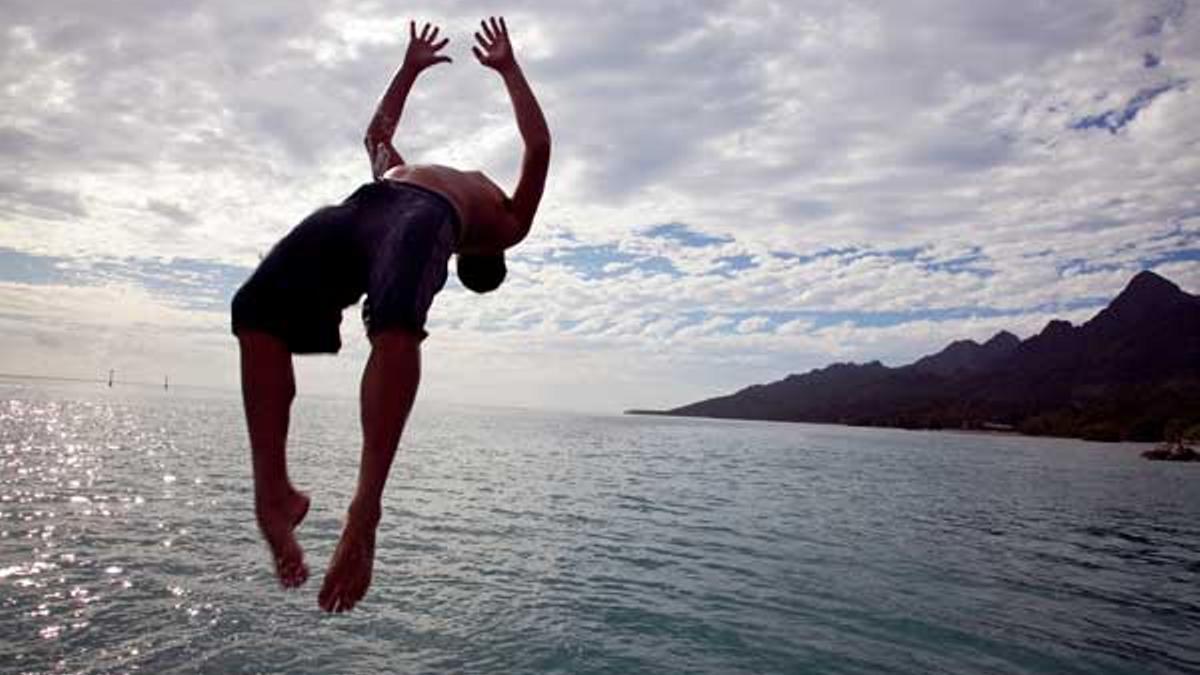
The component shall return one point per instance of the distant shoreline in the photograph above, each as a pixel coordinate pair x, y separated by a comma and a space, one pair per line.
104, 381
52, 378
1015, 433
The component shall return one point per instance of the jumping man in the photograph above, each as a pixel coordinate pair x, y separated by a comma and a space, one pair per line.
392, 240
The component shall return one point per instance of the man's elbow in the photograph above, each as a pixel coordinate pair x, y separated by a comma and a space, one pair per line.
378, 130
538, 149
520, 232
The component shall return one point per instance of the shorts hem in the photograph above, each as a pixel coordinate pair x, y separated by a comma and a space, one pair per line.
374, 329
294, 346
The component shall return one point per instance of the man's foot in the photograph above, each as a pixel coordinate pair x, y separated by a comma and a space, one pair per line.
277, 520
349, 572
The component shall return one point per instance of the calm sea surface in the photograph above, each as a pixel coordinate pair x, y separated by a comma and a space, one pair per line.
525, 542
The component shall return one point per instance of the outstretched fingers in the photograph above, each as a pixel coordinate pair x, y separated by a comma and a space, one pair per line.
423, 46
429, 33
494, 49
485, 42
494, 29
481, 54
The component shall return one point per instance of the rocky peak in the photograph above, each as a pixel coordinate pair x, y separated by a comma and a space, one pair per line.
1145, 297
1056, 329
1003, 340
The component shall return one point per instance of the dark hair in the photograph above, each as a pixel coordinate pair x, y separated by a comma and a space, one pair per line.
481, 273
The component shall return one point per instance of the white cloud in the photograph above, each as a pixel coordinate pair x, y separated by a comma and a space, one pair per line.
917, 157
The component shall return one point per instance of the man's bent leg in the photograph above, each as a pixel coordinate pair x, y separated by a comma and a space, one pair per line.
268, 387
389, 387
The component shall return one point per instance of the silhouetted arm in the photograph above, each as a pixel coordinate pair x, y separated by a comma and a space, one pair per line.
421, 54
495, 52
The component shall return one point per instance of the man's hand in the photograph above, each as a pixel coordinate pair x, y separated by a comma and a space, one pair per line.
422, 50
497, 53
422, 53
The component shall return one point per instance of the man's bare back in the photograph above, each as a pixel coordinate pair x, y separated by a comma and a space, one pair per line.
483, 209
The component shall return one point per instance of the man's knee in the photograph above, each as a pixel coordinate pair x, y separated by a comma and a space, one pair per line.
260, 344
266, 360
396, 339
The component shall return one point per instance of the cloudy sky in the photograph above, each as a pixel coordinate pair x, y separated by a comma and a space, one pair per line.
739, 190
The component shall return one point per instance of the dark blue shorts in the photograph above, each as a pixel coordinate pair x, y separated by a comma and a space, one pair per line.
389, 240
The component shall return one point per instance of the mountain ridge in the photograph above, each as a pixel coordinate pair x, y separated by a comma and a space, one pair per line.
1131, 372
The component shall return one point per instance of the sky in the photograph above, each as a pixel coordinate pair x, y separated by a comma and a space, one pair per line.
739, 190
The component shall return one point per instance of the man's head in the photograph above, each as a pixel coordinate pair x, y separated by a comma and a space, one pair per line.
481, 273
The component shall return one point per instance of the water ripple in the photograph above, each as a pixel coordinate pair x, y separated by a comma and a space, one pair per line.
527, 542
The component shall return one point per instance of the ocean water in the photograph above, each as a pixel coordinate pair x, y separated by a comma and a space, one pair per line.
528, 542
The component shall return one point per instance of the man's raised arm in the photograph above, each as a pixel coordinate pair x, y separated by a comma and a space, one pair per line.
422, 53
495, 52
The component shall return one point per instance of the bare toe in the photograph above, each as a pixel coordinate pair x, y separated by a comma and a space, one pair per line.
290, 568
349, 573
277, 520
